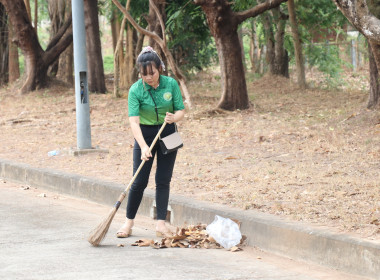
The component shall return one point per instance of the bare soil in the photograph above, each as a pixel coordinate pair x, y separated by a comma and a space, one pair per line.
307, 155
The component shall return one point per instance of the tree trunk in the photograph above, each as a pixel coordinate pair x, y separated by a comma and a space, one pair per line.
240, 34
234, 89
300, 67
270, 43
281, 58
4, 46
65, 68
29, 11
254, 48
96, 81
36, 59
374, 92
139, 39
234, 95
14, 66
154, 26
115, 28
66, 59
56, 10
223, 24
117, 58
128, 64
116, 65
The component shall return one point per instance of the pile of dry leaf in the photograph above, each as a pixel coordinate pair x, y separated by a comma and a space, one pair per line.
192, 236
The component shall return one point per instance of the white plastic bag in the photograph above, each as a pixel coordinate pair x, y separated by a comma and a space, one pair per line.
225, 231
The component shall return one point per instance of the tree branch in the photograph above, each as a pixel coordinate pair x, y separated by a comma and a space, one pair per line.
59, 34
160, 19
53, 53
358, 14
258, 9
134, 23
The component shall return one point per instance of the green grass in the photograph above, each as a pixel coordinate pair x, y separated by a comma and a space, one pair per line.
108, 63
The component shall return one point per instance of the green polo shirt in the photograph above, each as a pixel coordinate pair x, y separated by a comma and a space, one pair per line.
167, 97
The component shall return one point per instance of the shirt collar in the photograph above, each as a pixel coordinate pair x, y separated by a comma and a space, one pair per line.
149, 87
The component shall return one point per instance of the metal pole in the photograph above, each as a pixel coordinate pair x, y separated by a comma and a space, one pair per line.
353, 55
80, 68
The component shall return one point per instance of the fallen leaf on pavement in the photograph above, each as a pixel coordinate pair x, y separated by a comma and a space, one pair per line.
143, 242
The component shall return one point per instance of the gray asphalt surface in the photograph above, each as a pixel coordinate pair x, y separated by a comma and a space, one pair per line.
44, 237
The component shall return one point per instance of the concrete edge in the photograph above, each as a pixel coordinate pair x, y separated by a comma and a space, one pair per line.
267, 232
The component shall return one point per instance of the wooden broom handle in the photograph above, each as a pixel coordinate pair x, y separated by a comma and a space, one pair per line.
124, 193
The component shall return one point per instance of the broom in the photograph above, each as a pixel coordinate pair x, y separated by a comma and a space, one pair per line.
98, 234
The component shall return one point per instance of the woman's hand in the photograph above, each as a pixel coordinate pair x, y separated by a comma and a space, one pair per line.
145, 153
169, 118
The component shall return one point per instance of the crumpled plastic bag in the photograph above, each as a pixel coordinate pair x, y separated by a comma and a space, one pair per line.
225, 231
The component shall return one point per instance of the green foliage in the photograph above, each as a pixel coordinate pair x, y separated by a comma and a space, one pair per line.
319, 18
374, 7
320, 22
189, 36
240, 5
326, 58
137, 10
108, 63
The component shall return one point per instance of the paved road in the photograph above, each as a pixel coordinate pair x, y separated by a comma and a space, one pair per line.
45, 238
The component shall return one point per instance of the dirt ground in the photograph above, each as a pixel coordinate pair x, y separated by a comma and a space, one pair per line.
307, 155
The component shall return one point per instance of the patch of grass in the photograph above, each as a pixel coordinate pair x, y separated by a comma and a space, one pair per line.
108, 64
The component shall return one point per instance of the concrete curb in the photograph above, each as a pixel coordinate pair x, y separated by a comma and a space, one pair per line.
270, 233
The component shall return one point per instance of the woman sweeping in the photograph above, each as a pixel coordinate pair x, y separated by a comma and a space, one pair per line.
152, 100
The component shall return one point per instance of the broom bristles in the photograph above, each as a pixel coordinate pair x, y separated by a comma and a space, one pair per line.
98, 234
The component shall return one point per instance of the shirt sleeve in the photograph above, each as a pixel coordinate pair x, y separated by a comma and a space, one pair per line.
133, 103
177, 97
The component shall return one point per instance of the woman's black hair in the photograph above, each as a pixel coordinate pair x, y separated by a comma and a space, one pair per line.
144, 63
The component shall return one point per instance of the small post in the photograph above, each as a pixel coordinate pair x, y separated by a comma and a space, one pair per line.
353, 36
353, 55
80, 68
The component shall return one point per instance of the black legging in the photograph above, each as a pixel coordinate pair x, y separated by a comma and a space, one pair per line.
165, 166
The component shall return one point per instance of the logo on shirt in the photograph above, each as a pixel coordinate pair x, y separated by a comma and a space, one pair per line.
167, 96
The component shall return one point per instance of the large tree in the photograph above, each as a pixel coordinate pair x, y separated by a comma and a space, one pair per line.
37, 59
358, 13
223, 23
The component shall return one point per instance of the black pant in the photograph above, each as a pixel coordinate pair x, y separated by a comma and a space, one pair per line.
164, 172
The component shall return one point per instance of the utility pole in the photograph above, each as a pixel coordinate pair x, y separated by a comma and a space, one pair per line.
80, 69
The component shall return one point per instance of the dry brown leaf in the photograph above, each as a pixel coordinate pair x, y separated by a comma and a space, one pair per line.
230, 157
143, 242
235, 249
